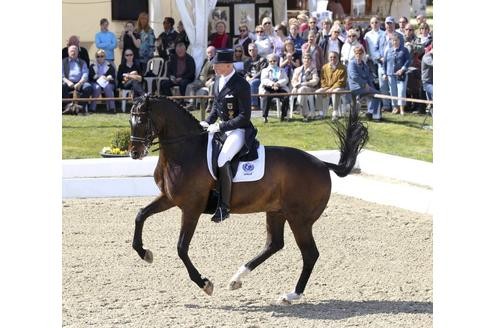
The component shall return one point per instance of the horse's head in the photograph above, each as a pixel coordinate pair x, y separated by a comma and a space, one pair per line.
142, 129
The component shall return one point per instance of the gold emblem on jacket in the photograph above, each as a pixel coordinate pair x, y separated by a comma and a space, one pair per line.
230, 107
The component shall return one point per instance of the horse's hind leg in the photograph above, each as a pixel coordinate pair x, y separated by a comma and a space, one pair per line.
306, 243
159, 204
274, 242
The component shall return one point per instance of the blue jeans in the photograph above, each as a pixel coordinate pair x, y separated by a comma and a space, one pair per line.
373, 103
397, 89
383, 86
255, 84
428, 88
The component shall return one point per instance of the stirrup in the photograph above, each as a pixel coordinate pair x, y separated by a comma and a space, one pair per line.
222, 213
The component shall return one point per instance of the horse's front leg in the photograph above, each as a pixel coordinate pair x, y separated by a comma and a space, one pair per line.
188, 226
159, 204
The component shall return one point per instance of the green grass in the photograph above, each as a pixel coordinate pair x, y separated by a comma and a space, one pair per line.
85, 136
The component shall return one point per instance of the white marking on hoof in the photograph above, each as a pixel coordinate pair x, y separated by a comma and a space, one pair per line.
288, 298
148, 256
208, 288
235, 281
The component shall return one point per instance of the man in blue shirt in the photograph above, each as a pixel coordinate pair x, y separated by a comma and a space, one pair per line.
75, 75
106, 40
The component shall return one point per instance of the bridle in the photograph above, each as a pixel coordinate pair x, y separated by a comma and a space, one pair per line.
150, 134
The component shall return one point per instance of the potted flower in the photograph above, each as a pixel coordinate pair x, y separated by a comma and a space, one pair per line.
120, 144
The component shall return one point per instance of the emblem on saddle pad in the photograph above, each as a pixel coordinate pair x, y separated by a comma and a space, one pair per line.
248, 167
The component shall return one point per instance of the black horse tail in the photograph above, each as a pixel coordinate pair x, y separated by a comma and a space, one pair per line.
353, 135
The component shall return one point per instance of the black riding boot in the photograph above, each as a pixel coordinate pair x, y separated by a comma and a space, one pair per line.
225, 182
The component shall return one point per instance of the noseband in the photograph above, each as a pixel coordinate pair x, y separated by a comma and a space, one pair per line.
150, 128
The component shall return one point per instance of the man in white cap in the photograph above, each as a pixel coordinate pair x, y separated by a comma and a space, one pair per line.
232, 105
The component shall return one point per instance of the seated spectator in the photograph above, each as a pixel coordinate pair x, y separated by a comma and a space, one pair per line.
252, 68
303, 25
102, 78
147, 36
312, 26
360, 83
305, 79
267, 25
395, 65
273, 80
351, 42
220, 39
181, 71
279, 39
75, 75
263, 42
206, 79
182, 35
316, 52
106, 40
165, 42
323, 38
290, 59
333, 78
129, 75
244, 38
129, 39
74, 41
427, 73
239, 59
348, 24
296, 38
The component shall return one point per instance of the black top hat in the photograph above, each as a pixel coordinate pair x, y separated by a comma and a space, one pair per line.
223, 56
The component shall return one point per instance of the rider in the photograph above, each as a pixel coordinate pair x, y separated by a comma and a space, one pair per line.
232, 100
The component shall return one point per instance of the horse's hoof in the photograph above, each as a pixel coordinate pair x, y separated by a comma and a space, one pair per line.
288, 298
148, 256
208, 288
233, 285
283, 301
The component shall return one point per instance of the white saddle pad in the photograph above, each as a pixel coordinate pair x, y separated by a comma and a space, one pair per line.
246, 171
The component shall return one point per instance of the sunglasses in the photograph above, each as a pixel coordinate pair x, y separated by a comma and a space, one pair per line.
238, 51
100, 56
267, 23
242, 31
260, 31
129, 55
272, 61
409, 29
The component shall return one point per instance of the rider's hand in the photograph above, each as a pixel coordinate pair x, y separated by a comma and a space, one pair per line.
204, 124
214, 128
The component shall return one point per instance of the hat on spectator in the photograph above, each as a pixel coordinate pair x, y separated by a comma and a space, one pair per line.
389, 19
223, 56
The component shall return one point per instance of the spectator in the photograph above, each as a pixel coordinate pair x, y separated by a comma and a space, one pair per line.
181, 71
414, 86
129, 74
206, 79
333, 78
348, 24
83, 53
263, 42
312, 27
314, 50
427, 73
106, 40
336, 8
165, 43
239, 60
278, 41
75, 75
420, 19
268, 27
305, 79
303, 24
244, 39
253, 67
347, 52
424, 34
220, 39
147, 35
296, 38
182, 35
102, 78
290, 59
403, 21
129, 39
395, 65
273, 80
371, 38
324, 39
383, 44
361, 83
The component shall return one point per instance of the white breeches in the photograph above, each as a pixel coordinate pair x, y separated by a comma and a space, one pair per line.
234, 143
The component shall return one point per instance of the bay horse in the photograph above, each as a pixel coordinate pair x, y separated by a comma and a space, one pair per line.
295, 188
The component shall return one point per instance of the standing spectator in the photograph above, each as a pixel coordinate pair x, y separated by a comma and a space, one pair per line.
296, 38
290, 59
333, 78
371, 38
102, 78
312, 27
414, 86
268, 27
403, 21
348, 24
165, 43
244, 38
347, 52
420, 19
106, 40
253, 67
181, 71
424, 33
182, 35
147, 35
324, 37
273, 80
383, 44
395, 66
206, 78
263, 42
303, 24
279, 39
314, 50
220, 39
74, 41
427, 73
305, 79
75, 75
129, 74
130, 39
361, 83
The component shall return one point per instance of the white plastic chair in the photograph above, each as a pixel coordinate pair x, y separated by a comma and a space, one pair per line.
124, 93
155, 65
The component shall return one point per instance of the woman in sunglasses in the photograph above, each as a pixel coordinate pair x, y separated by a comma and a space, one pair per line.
102, 78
